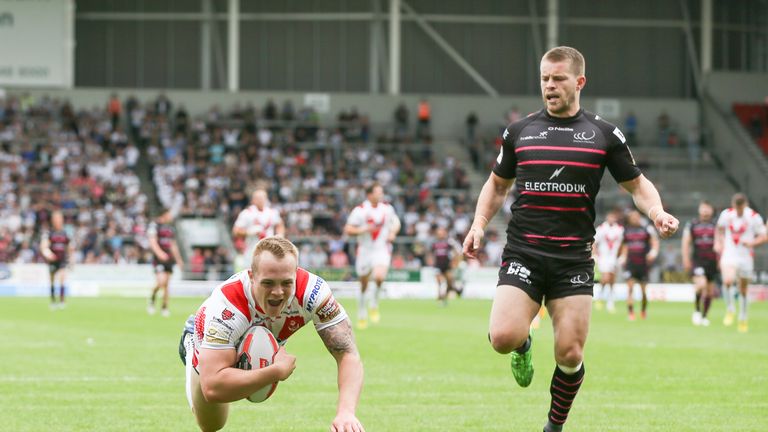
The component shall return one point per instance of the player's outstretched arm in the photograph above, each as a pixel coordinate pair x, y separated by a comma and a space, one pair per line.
340, 342
648, 201
489, 202
221, 382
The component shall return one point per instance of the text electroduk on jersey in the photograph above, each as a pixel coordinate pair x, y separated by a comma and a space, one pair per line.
555, 187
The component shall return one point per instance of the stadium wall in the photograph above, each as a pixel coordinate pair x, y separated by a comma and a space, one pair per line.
728, 88
95, 280
448, 112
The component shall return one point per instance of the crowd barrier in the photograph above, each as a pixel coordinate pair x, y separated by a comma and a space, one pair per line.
136, 280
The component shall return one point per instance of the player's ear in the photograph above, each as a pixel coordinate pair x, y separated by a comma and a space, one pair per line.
581, 81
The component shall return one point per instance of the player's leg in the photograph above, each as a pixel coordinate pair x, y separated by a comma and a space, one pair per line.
61, 278
709, 294
743, 303
153, 294
449, 285
363, 269
380, 269
631, 298
209, 416
570, 321
699, 288
441, 294
511, 314
729, 280
644, 301
166, 293
52, 277
610, 279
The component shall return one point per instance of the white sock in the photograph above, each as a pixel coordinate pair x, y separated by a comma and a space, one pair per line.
374, 302
610, 295
569, 370
743, 301
728, 293
362, 310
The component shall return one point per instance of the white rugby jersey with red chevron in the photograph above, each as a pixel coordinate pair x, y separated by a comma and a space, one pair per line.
381, 217
230, 311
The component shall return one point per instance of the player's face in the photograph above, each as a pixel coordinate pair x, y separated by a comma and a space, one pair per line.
273, 282
634, 219
57, 221
376, 195
612, 218
560, 88
705, 212
259, 198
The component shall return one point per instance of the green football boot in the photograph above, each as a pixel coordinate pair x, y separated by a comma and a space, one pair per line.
522, 367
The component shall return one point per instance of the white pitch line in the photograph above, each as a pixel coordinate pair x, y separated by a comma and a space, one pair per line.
11, 378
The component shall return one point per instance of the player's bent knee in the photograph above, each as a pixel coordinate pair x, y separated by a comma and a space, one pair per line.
570, 356
504, 342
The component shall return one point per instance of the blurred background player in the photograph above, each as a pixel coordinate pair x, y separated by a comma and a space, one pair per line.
444, 253
608, 239
376, 225
165, 252
58, 250
639, 251
739, 229
255, 222
277, 294
700, 260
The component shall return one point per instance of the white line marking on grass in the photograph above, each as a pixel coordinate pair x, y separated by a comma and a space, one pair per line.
10, 378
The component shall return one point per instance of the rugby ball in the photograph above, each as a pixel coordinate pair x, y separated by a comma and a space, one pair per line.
257, 350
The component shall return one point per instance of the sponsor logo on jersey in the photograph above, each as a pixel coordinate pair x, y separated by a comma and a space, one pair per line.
555, 187
584, 137
506, 134
540, 136
557, 172
620, 135
558, 128
313, 294
217, 334
221, 322
290, 326
329, 310
227, 314
501, 155
519, 270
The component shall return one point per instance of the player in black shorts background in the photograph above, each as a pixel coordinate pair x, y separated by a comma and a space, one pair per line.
555, 158
699, 241
162, 241
444, 252
639, 251
57, 249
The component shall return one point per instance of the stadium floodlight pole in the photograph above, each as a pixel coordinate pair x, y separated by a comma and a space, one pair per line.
205, 46
394, 47
233, 58
706, 36
552, 23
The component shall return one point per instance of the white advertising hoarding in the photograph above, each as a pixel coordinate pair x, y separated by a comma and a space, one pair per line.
36, 43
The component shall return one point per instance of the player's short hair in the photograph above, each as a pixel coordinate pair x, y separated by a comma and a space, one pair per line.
369, 189
706, 203
277, 246
565, 53
739, 199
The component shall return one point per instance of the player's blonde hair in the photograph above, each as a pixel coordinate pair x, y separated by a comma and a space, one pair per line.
277, 246
566, 53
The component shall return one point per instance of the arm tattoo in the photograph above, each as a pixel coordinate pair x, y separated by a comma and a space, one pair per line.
339, 338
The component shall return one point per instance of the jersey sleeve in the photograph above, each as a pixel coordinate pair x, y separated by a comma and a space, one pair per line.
760, 228
219, 326
276, 219
242, 219
506, 162
152, 229
325, 310
619, 158
722, 221
687, 229
356, 217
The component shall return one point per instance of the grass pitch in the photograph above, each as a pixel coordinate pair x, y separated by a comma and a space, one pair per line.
104, 365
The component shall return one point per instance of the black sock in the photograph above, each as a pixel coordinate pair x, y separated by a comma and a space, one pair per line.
62, 292
522, 349
53, 294
631, 308
563, 390
154, 294
698, 302
644, 303
707, 303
